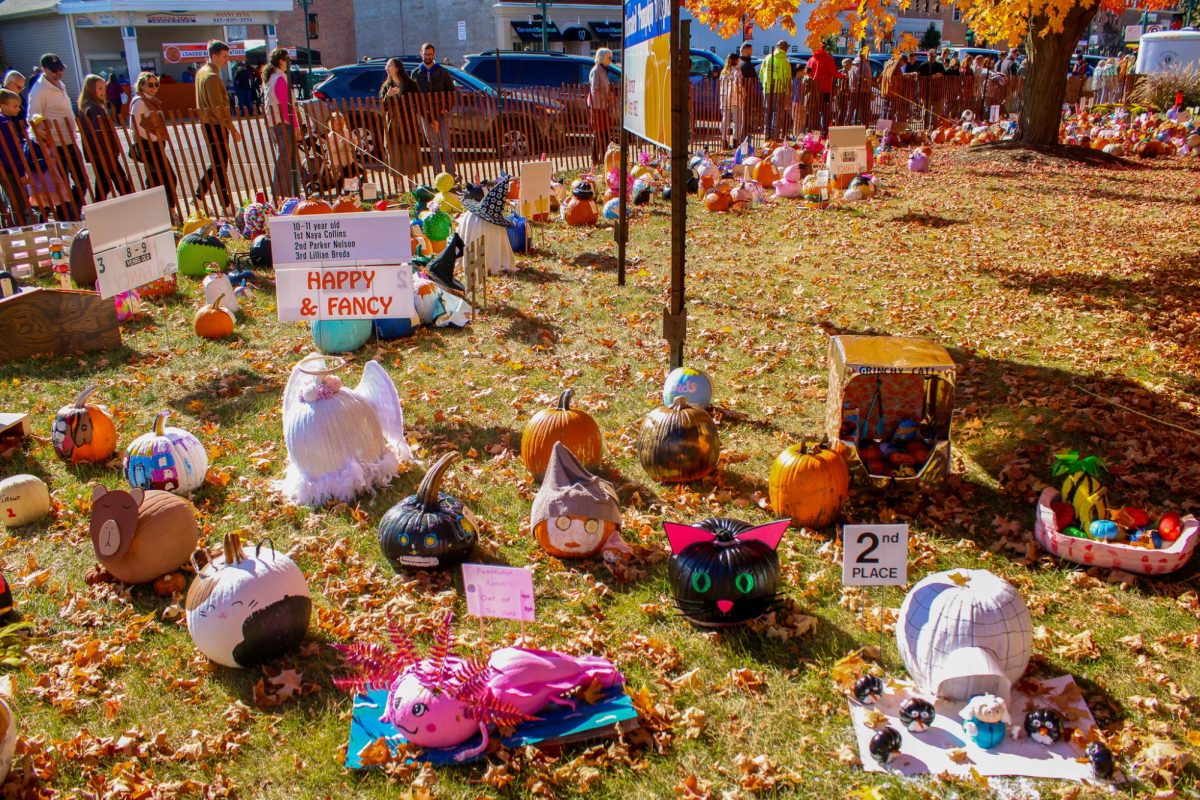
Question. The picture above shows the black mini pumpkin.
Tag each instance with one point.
(1044, 726)
(885, 745)
(428, 530)
(917, 714)
(868, 689)
(260, 252)
(583, 189)
(724, 571)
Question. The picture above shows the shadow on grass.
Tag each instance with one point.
(535, 276)
(598, 262)
(926, 220)
(78, 366)
(525, 327)
(232, 396)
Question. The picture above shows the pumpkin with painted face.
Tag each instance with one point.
(245, 609)
(84, 433)
(429, 530)
(139, 536)
(199, 249)
(724, 571)
(575, 513)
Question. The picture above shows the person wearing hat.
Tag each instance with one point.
(49, 98)
(775, 74)
(749, 90)
(575, 514)
(489, 218)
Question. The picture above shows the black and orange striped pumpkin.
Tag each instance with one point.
(679, 443)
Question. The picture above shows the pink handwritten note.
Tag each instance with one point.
(500, 592)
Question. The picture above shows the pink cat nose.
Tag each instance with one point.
(725, 606)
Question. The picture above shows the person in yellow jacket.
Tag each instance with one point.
(775, 74)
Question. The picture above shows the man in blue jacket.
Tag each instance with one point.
(435, 83)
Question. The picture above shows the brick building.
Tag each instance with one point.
(920, 13)
(334, 24)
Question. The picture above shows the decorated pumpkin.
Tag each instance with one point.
(167, 458)
(83, 260)
(260, 252)
(199, 249)
(518, 234)
(84, 432)
(244, 609)
(580, 208)
(140, 535)
(345, 204)
(809, 483)
(24, 499)
(1081, 486)
(575, 513)
(196, 220)
(340, 335)
(8, 738)
(719, 199)
(724, 571)
(430, 529)
(255, 216)
(918, 161)
(218, 291)
(574, 428)
(312, 205)
(396, 327)
(765, 173)
(214, 321)
(159, 288)
(688, 383)
(437, 227)
(678, 443)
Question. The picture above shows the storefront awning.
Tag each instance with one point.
(532, 31)
(606, 31)
(576, 33)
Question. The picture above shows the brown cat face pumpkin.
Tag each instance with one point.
(114, 522)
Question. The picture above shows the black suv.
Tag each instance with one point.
(532, 68)
(525, 124)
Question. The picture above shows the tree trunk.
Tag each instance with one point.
(1046, 75)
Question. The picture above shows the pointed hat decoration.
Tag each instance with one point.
(569, 490)
(494, 205)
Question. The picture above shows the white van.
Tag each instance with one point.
(1169, 50)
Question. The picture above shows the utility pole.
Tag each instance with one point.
(307, 51)
(545, 34)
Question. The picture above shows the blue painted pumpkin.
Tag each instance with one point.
(518, 235)
(396, 328)
(1105, 530)
(689, 383)
(341, 335)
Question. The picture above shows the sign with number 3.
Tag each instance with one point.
(874, 555)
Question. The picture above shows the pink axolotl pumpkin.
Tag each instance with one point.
(444, 700)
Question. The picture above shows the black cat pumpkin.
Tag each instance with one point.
(428, 530)
(724, 571)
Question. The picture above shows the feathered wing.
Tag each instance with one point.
(291, 392)
(377, 389)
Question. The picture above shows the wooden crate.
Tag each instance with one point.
(56, 321)
(26, 250)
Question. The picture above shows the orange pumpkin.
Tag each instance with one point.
(312, 205)
(214, 321)
(575, 429)
(764, 173)
(346, 205)
(718, 199)
(809, 483)
(514, 189)
(84, 433)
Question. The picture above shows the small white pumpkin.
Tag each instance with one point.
(24, 499)
(8, 737)
(243, 610)
(169, 459)
(217, 287)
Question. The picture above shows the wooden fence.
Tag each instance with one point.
(388, 143)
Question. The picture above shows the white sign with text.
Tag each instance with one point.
(365, 237)
(874, 555)
(132, 241)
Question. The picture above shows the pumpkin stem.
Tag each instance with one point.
(233, 548)
(679, 403)
(84, 395)
(564, 399)
(217, 303)
(431, 484)
(160, 422)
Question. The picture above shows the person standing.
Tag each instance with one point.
(212, 101)
(15, 83)
(243, 90)
(403, 156)
(149, 128)
(281, 115)
(731, 99)
(435, 83)
(189, 74)
(12, 160)
(113, 97)
(100, 143)
(775, 75)
(49, 98)
(751, 90)
(600, 101)
(824, 70)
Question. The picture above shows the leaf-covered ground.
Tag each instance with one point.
(1060, 291)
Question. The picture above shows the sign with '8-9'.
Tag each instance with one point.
(132, 241)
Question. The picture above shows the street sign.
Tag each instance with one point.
(874, 555)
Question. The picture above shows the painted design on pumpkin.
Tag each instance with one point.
(444, 700)
(141, 535)
(1044, 726)
(679, 443)
(430, 529)
(169, 459)
(917, 714)
(575, 513)
(84, 432)
(724, 571)
(244, 610)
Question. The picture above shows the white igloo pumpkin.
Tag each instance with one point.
(24, 499)
(217, 287)
(244, 609)
(964, 632)
(166, 458)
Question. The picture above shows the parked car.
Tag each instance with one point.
(524, 124)
(519, 69)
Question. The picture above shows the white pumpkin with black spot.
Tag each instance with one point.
(243, 610)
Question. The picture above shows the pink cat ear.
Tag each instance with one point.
(682, 536)
(769, 534)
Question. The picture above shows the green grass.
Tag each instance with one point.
(1036, 279)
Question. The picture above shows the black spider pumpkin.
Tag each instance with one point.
(1044, 726)
(885, 745)
(428, 530)
(583, 189)
(260, 252)
(917, 714)
(724, 571)
(868, 689)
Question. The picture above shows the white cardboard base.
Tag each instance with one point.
(928, 752)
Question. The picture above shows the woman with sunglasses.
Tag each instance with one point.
(149, 129)
(100, 143)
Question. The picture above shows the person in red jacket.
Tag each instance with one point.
(824, 70)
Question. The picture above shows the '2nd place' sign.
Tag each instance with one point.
(342, 266)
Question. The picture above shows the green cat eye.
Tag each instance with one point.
(701, 582)
(744, 583)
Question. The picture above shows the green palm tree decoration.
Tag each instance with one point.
(1071, 463)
